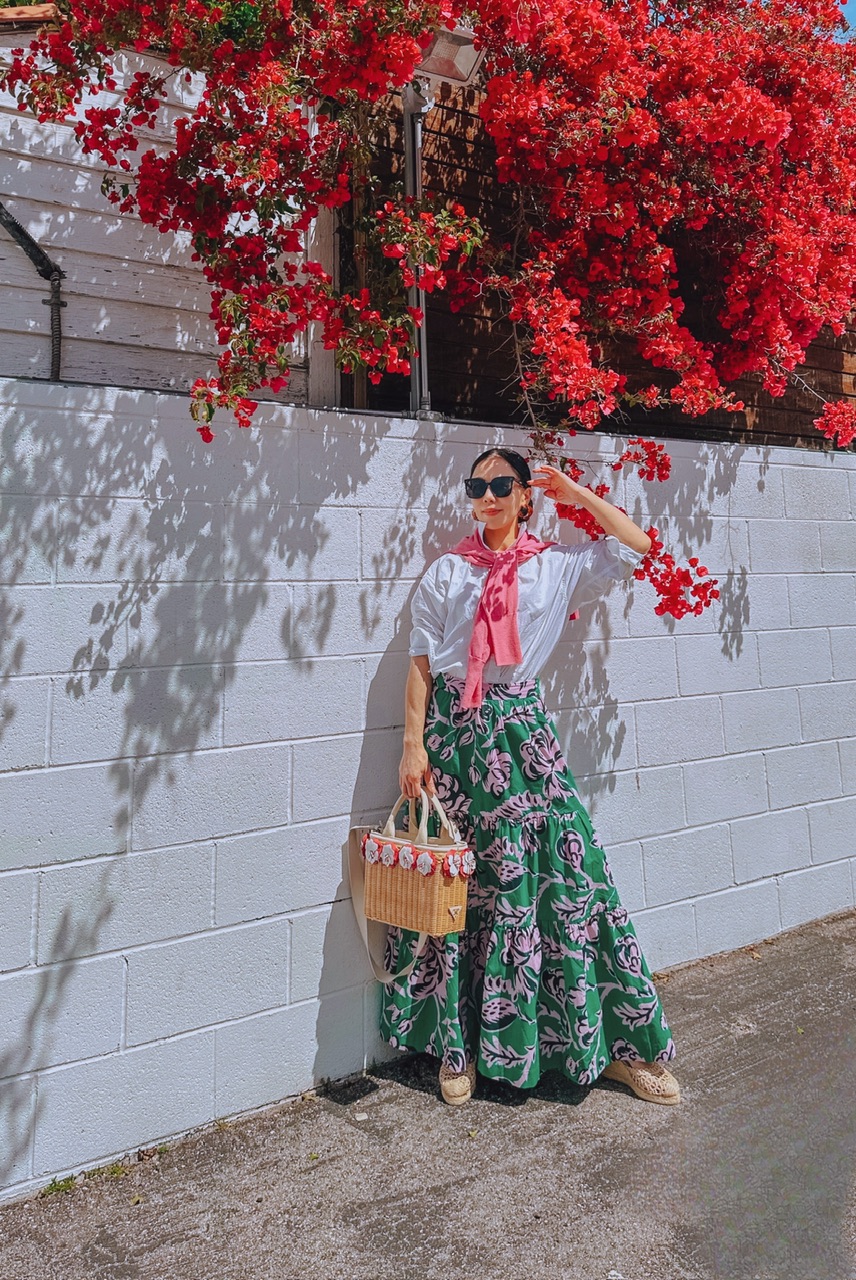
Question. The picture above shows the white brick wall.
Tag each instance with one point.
(202, 657)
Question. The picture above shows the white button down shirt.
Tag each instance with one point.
(550, 586)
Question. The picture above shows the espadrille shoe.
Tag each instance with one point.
(648, 1080)
(457, 1086)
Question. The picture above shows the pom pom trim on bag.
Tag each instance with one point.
(457, 862)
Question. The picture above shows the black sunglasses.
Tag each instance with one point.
(500, 487)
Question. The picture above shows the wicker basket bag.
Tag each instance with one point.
(414, 880)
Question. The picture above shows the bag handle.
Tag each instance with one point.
(421, 835)
(446, 821)
(358, 901)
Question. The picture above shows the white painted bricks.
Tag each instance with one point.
(814, 892)
(737, 916)
(159, 1090)
(327, 953)
(49, 816)
(210, 793)
(687, 864)
(667, 934)
(675, 729)
(794, 657)
(726, 788)
(275, 701)
(766, 718)
(799, 775)
(642, 803)
(833, 830)
(202, 660)
(792, 547)
(828, 711)
(207, 979)
(278, 872)
(769, 844)
(843, 641)
(23, 725)
(273, 1056)
(59, 1014)
(17, 895)
(710, 664)
(124, 902)
(847, 761)
(838, 544)
(625, 863)
(830, 596)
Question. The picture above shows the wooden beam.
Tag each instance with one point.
(27, 15)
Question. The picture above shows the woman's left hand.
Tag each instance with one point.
(556, 485)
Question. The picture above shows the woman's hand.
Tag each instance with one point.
(556, 485)
(414, 772)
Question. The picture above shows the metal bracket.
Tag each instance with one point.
(417, 97)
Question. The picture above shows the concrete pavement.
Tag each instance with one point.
(751, 1178)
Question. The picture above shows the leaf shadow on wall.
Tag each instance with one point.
(141, 564)
(702, 476)
(152, 563)
(592, 685)
(36, 1031)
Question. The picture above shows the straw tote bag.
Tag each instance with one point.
(410, 879)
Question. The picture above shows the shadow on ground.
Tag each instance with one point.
(751, 1178)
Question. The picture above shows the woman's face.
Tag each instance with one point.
(497, 513)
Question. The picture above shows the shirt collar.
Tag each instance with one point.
(480, 535)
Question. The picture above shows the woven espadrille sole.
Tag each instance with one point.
(457, 1088)
(634, 1078)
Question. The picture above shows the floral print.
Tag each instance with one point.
(548, 973)
(498, 774)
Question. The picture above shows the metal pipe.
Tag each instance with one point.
(424, 394)
(416, 104)
(48, 270)
(56, 305)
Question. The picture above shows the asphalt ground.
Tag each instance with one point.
(750, 1178)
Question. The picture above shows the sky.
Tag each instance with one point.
(850, 12)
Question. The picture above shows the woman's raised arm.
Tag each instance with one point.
(562, 488)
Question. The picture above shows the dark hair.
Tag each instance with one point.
(519, 464)
(514, 460)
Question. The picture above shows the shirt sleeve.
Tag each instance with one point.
(592, 570)
(428, 614)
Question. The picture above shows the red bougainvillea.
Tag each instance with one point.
(684, 176)
(275, 137)
(693, 171)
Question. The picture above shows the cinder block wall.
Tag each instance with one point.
(202, 657)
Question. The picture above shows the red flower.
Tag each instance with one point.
(656, 154)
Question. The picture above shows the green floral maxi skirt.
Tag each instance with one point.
(548, 973)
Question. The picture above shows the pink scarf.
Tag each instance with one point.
(495, 631)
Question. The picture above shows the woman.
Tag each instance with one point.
(548, 972)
